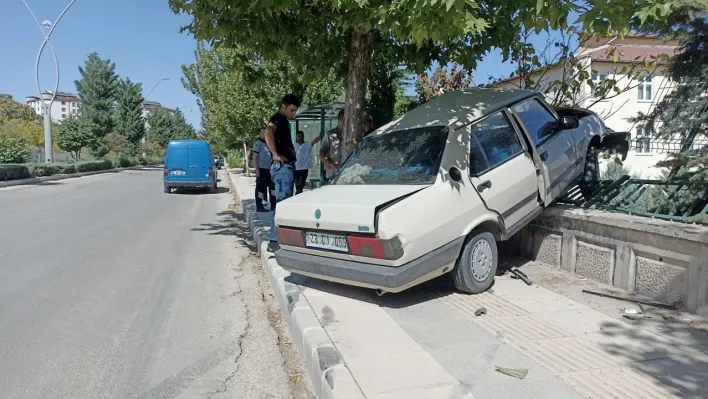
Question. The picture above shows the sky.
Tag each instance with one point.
(140, 36)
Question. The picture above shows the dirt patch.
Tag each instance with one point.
(299, 384)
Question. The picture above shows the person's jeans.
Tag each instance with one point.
(283, 177)
(300, 180)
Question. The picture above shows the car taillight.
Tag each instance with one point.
(372, 247)
(164, 171)
(211, 172)
(292, 237)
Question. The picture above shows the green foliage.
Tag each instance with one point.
(383, 87)
(129, 120)
(13, 149)
(164, 126)
(234, 160)
(97, 89)
(237, 92)
(74, 136)
(14, 172)
(11, 109)
(443, 79)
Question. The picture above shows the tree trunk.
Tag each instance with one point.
(245, 160)
(361, 46)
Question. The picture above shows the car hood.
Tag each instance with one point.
(348, 208)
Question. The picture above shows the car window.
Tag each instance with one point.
(403, 157)
(493, 141)
(536, 118)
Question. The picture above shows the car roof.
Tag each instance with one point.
(457, 108)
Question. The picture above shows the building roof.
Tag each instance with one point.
(457, 108)
(632, 53)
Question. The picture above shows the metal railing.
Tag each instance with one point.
(668, 200)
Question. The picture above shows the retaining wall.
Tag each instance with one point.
(667, 261)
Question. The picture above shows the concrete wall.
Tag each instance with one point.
(664, 260)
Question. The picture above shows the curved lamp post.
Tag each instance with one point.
(144, 140)
(47, 27)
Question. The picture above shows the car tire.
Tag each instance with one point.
(212, 188)
(480, 249)
(168, 190)
(591, 172)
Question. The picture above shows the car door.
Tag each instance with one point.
(556, 148)
(501, 168)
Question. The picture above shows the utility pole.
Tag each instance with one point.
(47, 27)
(144, 139)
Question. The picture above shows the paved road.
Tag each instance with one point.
(110, 288)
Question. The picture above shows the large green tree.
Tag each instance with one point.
(165, 125)
(75, 134)
(129, 120)
(237, 91)
(342, 33)
(97, 89)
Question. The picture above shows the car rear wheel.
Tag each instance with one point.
(475, 268)
(591, 172)
(168, 190)
(212, 188)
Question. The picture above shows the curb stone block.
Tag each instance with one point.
(40, 180)
(329, 376)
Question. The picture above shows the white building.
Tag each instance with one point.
(612, 58)
(64, 106)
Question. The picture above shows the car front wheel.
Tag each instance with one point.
(477, 265)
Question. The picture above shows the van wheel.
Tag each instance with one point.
(477, 264)
(168, 190)
(212, 188)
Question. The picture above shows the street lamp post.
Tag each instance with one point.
(144, 139)
(47, 27)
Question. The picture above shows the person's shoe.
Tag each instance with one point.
(273, 246)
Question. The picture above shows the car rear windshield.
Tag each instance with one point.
(403, 157)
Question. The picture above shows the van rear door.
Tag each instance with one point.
(178, 163)
(200, 161)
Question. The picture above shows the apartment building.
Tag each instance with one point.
(642, 87)
(65, 105)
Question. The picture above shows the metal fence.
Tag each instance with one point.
(669, 200)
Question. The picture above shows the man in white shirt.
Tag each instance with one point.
(304, 159)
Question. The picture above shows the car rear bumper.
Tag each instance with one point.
(367, 275)
(175, 184)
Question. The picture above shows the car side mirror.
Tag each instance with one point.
(569, 122)
(455, 174)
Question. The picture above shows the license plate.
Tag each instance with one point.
(326, 241)
(178, 173)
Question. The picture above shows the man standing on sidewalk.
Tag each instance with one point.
(264, 184)
(330, 149)
(282, 150)
(304, 160)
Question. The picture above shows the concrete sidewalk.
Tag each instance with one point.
(427, 343)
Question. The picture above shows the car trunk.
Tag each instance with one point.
(345, 208)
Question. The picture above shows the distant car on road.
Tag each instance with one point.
(189, 164)
(434, 191)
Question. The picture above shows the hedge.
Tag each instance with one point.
(29, 170)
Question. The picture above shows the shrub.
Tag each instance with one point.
(14, 172)
(13, 149)
(234, 160)
(92, 166)
(43, 169)
(123, 161)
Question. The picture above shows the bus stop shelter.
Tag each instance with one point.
(315, 121)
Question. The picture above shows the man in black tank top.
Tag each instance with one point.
(281, 147)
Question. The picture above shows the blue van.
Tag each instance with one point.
(189, 163)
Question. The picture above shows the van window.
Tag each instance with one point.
(539, 122)
(493, 141)
(403, 157)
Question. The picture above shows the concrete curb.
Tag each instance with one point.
(329, 375)
(38, 180)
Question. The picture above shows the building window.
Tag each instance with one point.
(597, 79)
(63, 103)
(63, 116)
(642, 141)
(644, 89)
(63, 109)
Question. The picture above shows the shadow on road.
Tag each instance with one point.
(231, 223)
(200, 191)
